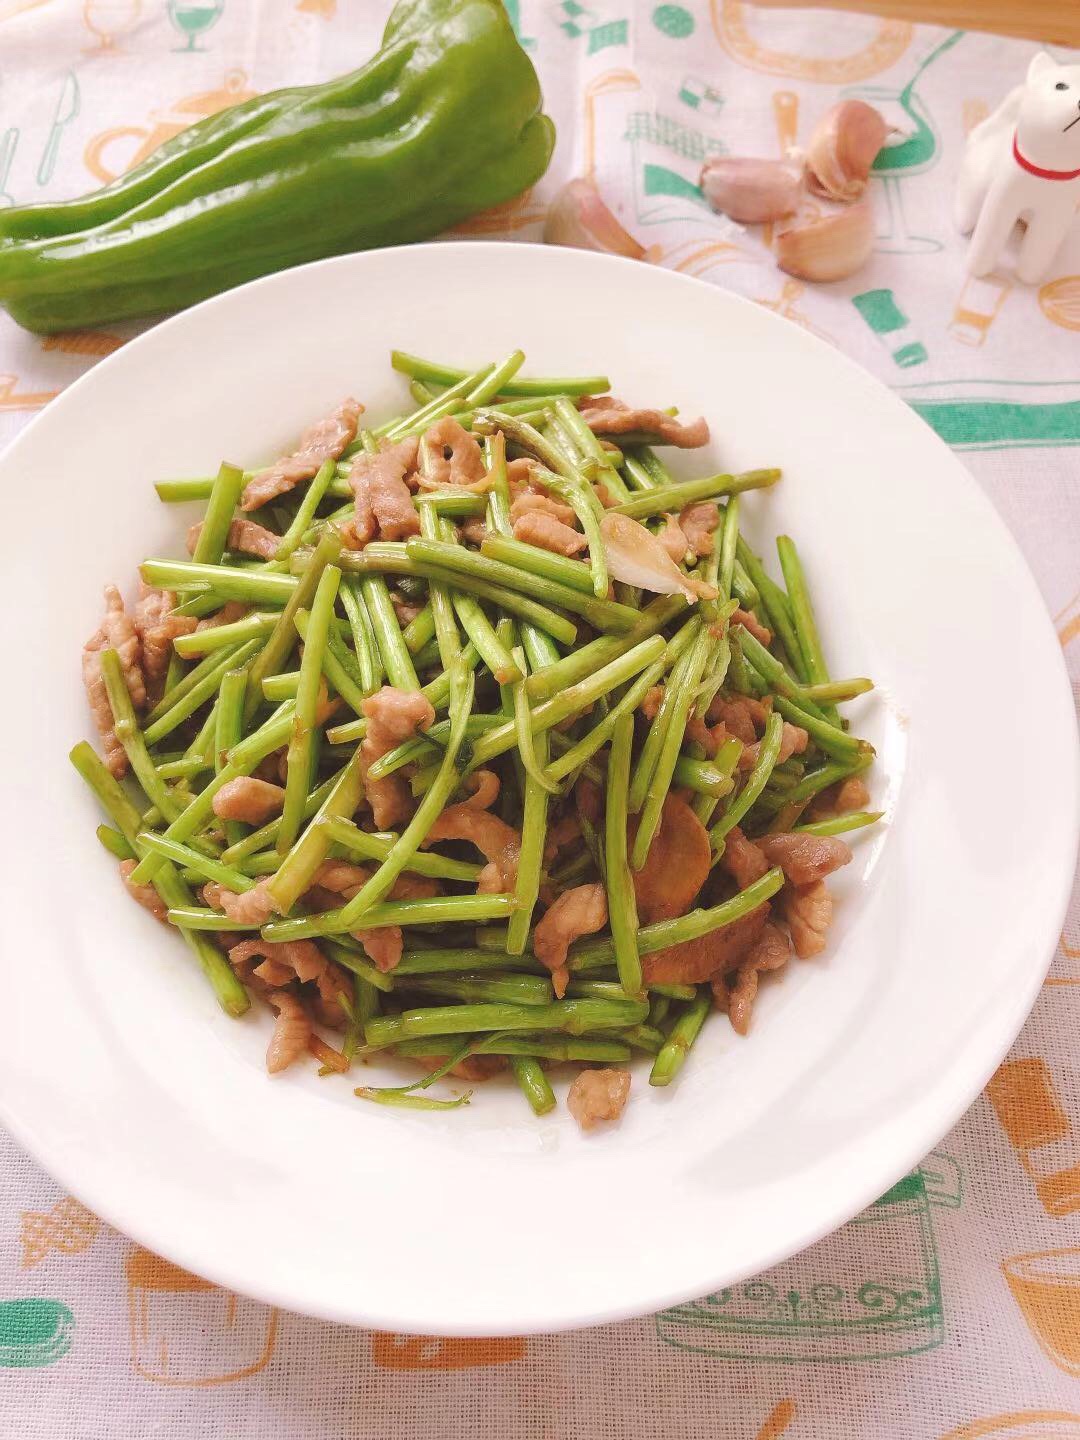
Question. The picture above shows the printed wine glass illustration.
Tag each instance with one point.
(109, 20)
(192, 17)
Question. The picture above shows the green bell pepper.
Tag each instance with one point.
(443, 121)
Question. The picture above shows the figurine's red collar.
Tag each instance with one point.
(1038, 170)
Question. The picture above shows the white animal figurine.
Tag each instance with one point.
(1023, 163)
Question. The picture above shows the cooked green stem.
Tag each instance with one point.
(575, 1017)
(384, 622)
(367, 846)
(419, 369)
(559, 568)
(533, 1083)
(192, 859)
(683, 1033)
(491, 986)
(228, 582)
(622, 904)
(840, 824)
(729, 534)
(602, 614)
(131, 738)
(427, 812)
(301, 752)
(597, 653)
(368, 658)
(224, 498)
(221, 637)
(531, 856)
(577, 755)
(573, 699)
(672, 733)
(297, 869)
(688, 492)
(282, 639)
(740, 804)
(305, 512)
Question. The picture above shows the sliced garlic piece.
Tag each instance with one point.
(636, 557)
(752, 192)
(579, 218)
(843, 148)
(830, 247)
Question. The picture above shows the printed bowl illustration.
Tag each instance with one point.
(155, 1109)
(1046, 1286)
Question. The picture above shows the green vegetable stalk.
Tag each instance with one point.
(443, 121)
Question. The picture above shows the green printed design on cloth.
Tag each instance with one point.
(999, 414)
(879, 1297)
(674, 21)
(34, 1332)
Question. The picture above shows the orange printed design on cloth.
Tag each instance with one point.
(438, 1352)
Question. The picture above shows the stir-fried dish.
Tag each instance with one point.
(476, 738)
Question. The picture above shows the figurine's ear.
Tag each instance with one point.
(1041, 65)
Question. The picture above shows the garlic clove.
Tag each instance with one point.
(752, 192)
(579, 218)
(830, 247)
(636, 557)
(843, 148)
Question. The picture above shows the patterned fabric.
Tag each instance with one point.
(951, 1307)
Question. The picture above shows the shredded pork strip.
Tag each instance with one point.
(531, 502)
(805, 858)
(534, 527)
(292, 1032)
(383, 501)
(793, 741)
(749, 621)
(251, 907)
(605, 415)
(144, 895)
(498, 842)
(248, 799)
(580, 911)
(808, 912)
(770, 951)
(451, 456)
(673, 539)
(694, 961)
(744, 716)
(325, 440)
(393, 716)
(117, 632)
(697, 522)
(245, 537)
(157, 628)
(597, 1096)
(742, 859)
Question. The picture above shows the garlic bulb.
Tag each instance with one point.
(579, 218)
(636, 557)
(830, 247)
(751, 191)
(842, 149)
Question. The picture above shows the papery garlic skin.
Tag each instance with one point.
(830, 247)
(751, 191)
(843, 148)
(579, 218)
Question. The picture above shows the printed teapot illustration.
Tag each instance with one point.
(114, 152)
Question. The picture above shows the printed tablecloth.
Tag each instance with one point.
(951, 1307)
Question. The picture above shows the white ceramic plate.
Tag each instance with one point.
(122, 1076)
